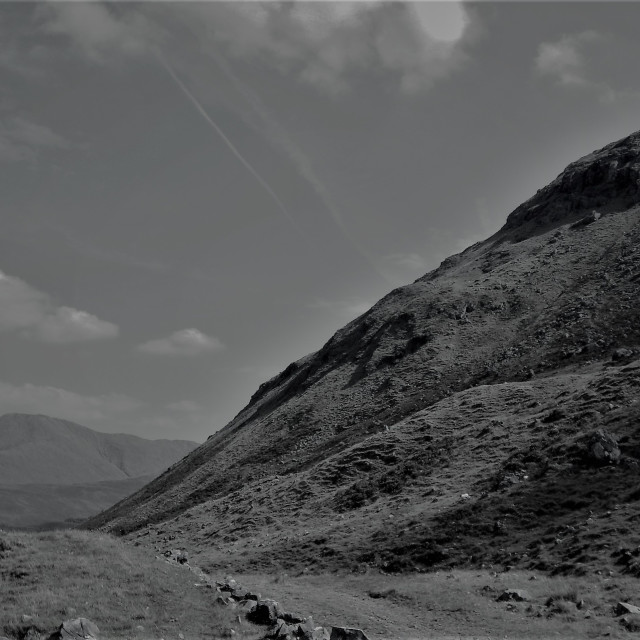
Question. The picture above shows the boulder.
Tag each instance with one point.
(594, 216)
(292, 618)
(246, 606)
(342, 633)
(265, 612)
(622, 354)
(602, 448)
(281, 631)
(623, 608)
(513, 594)
(630, 622)
(308, 631)
(76, 629)
(224, 601)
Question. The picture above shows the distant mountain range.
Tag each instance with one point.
(484, 415)
(53, 469)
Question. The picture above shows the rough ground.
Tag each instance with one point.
(453, 424)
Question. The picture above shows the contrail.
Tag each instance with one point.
(263, 183)
(302, 163)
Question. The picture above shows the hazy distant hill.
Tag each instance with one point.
(52, 469)
(485, 414)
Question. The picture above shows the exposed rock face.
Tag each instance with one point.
(608, 178)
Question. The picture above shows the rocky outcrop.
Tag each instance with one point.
(602, 448)
(607, 180)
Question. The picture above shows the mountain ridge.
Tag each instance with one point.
(36, 448)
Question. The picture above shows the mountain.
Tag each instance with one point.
(50, 468)
(485, 414)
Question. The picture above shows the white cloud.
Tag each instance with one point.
(70, 325)
(567, 62)
(60, 403)
(22, 307)
(98, 30)
(187, 342)
(321, 43)
(21, 139)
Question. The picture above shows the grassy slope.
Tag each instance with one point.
(320, 489)
(128, 593)
(56, 576)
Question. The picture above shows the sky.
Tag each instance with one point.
(195, 195)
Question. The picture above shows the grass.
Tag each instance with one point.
(458, 603)
(46, 578)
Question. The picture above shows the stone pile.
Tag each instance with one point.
(280, 624)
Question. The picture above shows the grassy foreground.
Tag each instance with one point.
(46, 578)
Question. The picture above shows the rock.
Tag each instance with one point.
(182, 557)
(292, 618)
(602, 448)
(555, 415)
(308, 631)
(342, 633)
(513, 594)
(224, 601)
(77, 629)
(622, 608)
(246, 606)
(594, 216)
(265, 612)
(622, 354)
(281, 631)
(630, 623)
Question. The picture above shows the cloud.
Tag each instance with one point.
(98, 30)
(187, 342)
(320, 43)
(22, 139)
(566, 62)
(66, 324)
(60, 403)
(24, 308)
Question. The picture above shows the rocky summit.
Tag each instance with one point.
(484, 415)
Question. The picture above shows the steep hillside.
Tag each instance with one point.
(456, 422)
(39, 449)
